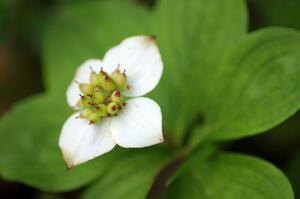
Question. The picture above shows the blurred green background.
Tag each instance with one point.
(21, 26)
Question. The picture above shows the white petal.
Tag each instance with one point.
(140, 57)
(82, 76)
(81, 142)
(139, 125)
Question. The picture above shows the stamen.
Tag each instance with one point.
(91, 104)
(102, 71)
(114, 108)
(90, 95)
(106, 100)
(117, 93)
(98, 88)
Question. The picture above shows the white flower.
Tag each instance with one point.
(105, 115)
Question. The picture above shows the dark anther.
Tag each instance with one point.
(102, 71)
(91, 104)
(117, 94)
(106, 101)
(114, 108)
(91, 122)
(120, 107)
(124, 103)
(98, 88)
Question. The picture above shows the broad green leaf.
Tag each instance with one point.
(87, 30)
(230, 176)
(130, 177)
(193, 37)
(258, 85)
(29, 149)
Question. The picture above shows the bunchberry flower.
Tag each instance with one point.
(107, 97)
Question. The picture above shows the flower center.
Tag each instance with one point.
(102, 96)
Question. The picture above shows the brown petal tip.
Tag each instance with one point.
(68, 160)
(161, 140)
(151, 38)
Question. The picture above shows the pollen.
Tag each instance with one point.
(102, 96)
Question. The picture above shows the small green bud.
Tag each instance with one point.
(85, 88)
(94, 117)
(102, 110)
(85, 113)
(85, 101)
(107, 84)
(98, 97)
(94, 79)
(102, 76)
(79, 104)
(112, 108)
(116, 96)
(119, 79)
(105, 81)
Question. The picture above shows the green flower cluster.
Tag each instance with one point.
(102, 96)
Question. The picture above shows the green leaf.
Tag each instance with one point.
(87, 30)
(230, 176)
(29, 149)
(193, 36)
(131, 176)
(258, 85)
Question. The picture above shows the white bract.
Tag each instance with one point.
(110, 109)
